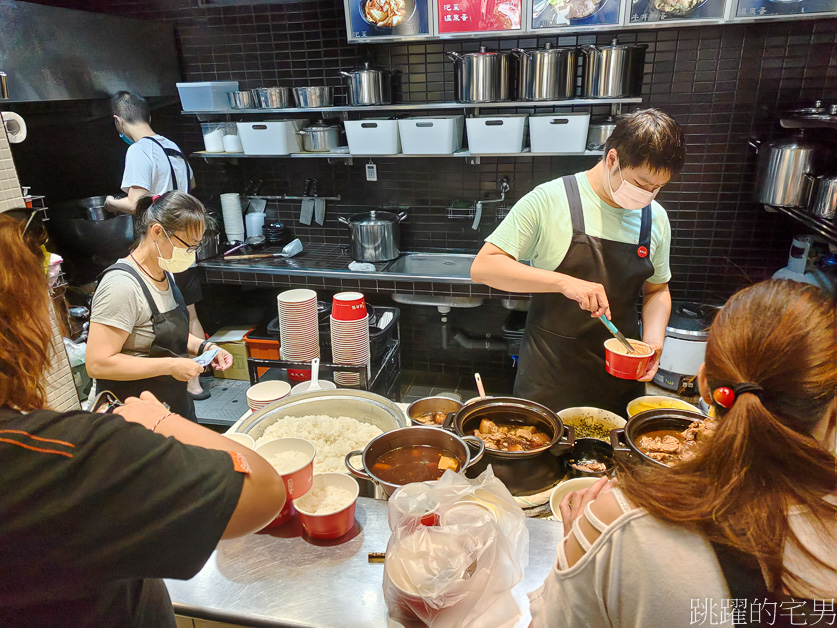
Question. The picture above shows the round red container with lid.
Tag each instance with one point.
(348, 306)
(626, 366)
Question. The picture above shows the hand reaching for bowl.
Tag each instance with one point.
(574, 502)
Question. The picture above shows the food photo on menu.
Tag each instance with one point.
(759, 8)
(556, 13)
(388, 18)
(660, 10)
(479, 16)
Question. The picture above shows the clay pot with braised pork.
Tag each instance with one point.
(661, 437)
(524, 441)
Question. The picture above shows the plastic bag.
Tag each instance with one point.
(75, 352)
(457, 549)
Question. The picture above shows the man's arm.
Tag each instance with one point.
(656, 310)
(496, 268)
(127, 204)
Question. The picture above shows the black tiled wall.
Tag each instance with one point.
(724, 84)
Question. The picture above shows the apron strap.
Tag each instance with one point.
(574, 201)
(169, 153)
(128, 269)
(178, 296)
(645, 228)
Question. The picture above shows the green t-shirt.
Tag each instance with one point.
(539, 228)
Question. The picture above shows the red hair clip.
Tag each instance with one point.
(725, 396)
(156, 198)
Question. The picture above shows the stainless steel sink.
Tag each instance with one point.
(442, 302)
(432, 265)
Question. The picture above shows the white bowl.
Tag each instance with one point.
(268, 392)
(659, 402)
(304, 386)
(558, 493)
(242, 439)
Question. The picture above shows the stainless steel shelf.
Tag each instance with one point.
(572, 102)
(826, 228)
(459, 154)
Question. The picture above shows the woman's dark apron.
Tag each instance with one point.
(171, 335)
(562, 358)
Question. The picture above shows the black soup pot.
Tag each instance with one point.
(523, 472)
(624, 439)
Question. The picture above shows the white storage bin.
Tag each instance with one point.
(432, 135)
(373, 136)
(559, 133)
(271, 137)
(206, 95)
(497, 134)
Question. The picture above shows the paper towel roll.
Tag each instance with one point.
(15, 126)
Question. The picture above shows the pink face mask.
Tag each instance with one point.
(628, 195)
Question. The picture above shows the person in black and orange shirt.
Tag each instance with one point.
(96, 508)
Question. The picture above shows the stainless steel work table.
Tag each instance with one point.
(288, 579)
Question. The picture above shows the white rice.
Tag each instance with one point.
(323, 501)
(332, 437)
(288, 461)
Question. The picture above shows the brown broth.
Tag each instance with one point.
(414, 463)
(678, 434)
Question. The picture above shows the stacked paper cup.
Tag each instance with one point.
(233, 217)
(349, 335)
(298, 329)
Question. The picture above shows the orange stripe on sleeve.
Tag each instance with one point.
(43, 440)
(38, 449)
(240, 463)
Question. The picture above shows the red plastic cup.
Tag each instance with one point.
(297, 481)
(330, 525)
(626, 366)
(348, 306)
(411, 506)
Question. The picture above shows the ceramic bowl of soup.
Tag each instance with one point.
(413, 454)
(624, 365)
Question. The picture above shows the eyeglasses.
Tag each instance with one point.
(192, 248)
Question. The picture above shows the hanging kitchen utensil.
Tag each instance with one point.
(294, 248)
(307, 210)
(319, 204)
(480, 387)
(616, 333)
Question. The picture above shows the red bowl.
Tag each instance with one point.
(334, 524)
(348, 306)
(626, 366)
(298, 481)
(284, 516)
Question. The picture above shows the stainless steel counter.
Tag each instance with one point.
(287, 579)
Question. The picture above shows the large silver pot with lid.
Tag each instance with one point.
(547, 73)
(612, 71)
(482, 76)
(375, 236)
(320, 137)
(369, 86)
(786, 170)
(824, 200)
(599, 131)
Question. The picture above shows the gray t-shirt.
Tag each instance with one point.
(119, 302)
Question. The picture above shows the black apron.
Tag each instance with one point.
(171, 335)
(169, 153)
(562, 358)
(745, 581)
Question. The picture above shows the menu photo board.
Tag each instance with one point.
(574, 14)
(478, 16)
(776, 8)
(370, 20)
(654, 11)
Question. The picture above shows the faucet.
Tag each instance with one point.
(504, 189)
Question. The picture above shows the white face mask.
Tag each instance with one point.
(181, 259)
(628, 195)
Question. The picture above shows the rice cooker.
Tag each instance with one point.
(685, 345)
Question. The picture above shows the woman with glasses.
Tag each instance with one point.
(139, 326)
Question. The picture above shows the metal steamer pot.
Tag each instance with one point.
(824, 201)
(320, 137)
(624, 439)
(482, 76)
(599, 131)
(375, 236)
(546, 74)
(786, 171)
(369, 86)
(613, 71)
(523, 472)
(411, 436)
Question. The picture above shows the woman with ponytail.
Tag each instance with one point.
(95, 508)
(752, 517)
(139, 325)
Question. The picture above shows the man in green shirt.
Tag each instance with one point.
(596, 241)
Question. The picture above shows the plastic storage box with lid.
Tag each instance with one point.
(262, 346)
(497, 134)
(373, 136)
(431, 135)
(271, 137)
(206, 95)
(559, 133)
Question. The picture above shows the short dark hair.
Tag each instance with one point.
(648, 138)
(131, 107)
(174, 211)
